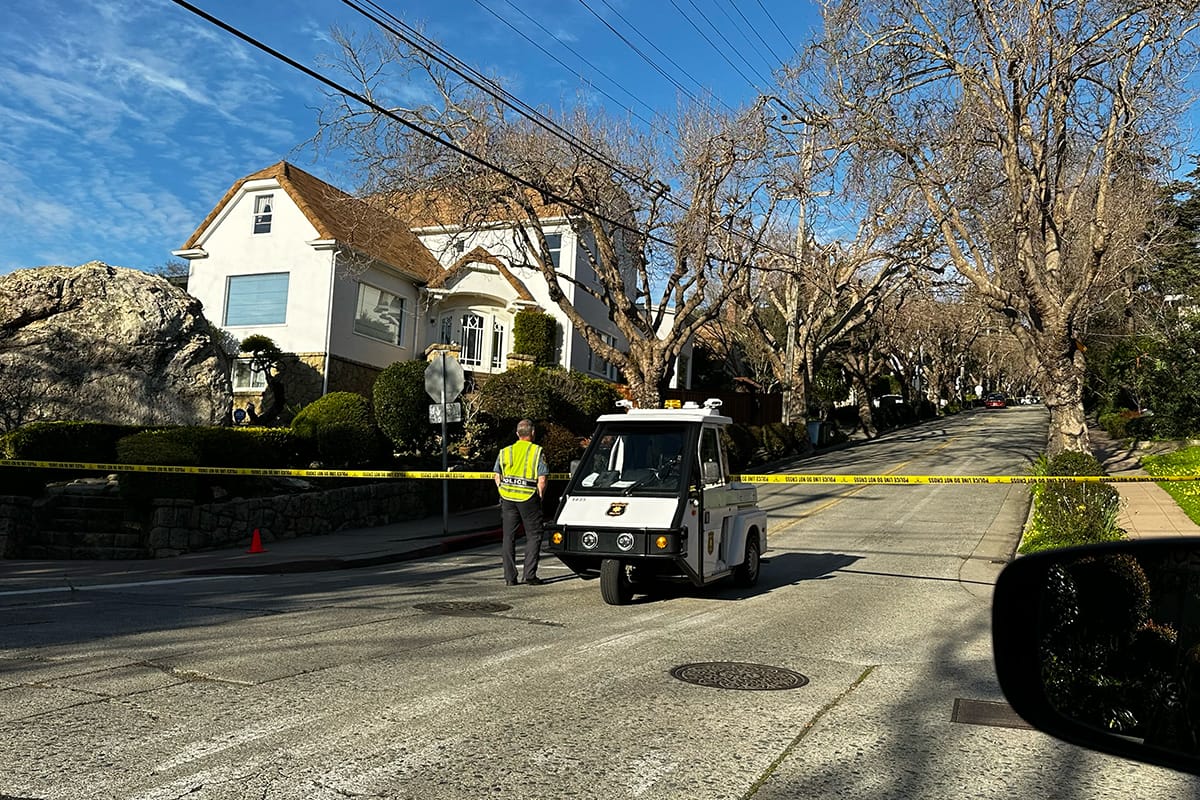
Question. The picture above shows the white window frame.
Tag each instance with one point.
(256, 309)
(264, 208)
(498, 330)
(379, 315)
(471, 339)
(555, 249)
(247, 379)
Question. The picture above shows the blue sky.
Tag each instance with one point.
(125, 122)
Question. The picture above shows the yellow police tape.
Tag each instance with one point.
(437, 475)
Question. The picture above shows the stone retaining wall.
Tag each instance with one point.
(16, 524)
(181, 526)
(37, 528)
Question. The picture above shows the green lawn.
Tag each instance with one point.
(1181, 462)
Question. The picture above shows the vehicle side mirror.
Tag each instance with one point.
(575, 465)
(1100, 646)
(712, 472)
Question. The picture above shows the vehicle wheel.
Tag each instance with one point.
(746, 573)
(615, 586)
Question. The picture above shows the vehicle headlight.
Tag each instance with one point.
(589, 540)
(625, 541)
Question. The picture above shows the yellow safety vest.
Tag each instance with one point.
(518, 470)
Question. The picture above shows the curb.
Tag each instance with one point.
(462, 541)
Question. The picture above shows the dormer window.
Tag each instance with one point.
(263, 204)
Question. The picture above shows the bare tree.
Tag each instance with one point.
(1029, 130)
(669, 224)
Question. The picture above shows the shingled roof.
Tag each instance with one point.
(343, 218)
(481, 256)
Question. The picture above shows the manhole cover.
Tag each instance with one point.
(986, 712)
(737, 675)
(464, 608)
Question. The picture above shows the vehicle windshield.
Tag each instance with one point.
(634, 460)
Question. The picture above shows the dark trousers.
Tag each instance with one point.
(527, 513)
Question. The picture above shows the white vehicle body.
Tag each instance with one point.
(652, 500)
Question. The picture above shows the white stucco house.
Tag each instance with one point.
(346, 289)
(333, 282)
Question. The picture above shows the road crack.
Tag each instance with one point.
(808, 726)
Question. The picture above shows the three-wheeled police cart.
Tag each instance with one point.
(652, 500)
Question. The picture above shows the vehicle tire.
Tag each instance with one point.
(746, 573)
(615, 586)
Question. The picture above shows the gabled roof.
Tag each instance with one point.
(448, 210)
(479, 255)
(343, 218)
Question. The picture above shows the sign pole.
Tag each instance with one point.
(445, 456)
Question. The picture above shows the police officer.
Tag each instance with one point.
(520, 474)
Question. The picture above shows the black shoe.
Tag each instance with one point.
(534, 581)
(510, 583)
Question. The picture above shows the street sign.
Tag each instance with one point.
(453, 412)
(444, 372)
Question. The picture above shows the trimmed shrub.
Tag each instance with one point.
(65, 441)
(341, 426)
(171, 447)
(777, 440)
(94, 442)
(402, 407)
(252, 448)
(568, 398)
(535, 333)
(560, 445)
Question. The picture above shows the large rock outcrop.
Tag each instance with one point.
(108, 344)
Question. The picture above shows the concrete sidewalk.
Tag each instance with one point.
(1147, 511)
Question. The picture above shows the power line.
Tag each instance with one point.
(713, 45)
(754, 30)
(423, 44)
(643, 56)
(562, 64)
(574, 52)
(786, 38)
(424, 132)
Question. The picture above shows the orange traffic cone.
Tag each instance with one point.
(256, 543)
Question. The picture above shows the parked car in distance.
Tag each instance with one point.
(995, 400)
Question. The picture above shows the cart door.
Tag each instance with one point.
(714, 475)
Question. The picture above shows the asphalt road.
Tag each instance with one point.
(348, 684)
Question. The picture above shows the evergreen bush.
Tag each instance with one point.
(342, 427)
(171, 447)
(535, 333)
(402, 407)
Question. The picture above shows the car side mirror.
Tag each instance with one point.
(1100, 646)
(575, 465)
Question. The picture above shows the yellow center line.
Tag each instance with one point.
(855, 490)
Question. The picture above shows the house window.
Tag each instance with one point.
(380, 315)
(554, 244)
(472, 340)
(247, 379)
(447, 329)
(256, 299)
(497, 345)
(601, 366)
(263, 204)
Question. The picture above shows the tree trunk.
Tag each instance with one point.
(1062, 393)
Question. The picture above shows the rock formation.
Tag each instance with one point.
(107, 344)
